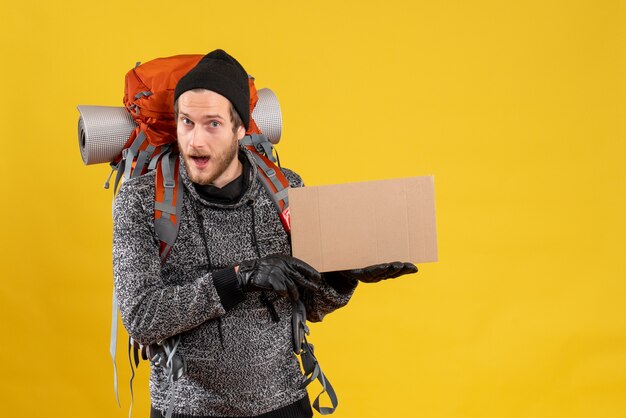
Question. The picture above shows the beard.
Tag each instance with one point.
(218, 163)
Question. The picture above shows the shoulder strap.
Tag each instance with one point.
(167, 201)
(271, 176)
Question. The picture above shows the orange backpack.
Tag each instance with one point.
(149, 98)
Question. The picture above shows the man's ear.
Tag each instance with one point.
(241, 132)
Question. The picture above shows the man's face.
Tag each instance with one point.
(206, 139)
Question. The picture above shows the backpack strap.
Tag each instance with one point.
(129, 154)
(136, 159)
(113, 347)
(313, 371)
(271, 176)
(310, 365)
(167, 201)
(277, 186)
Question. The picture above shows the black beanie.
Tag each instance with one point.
(219, 72)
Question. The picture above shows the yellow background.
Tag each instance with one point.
(517, 109)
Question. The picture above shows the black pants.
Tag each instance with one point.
(299, 409)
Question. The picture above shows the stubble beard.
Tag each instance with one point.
(219, 162)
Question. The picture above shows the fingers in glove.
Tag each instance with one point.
(394, 270)
(282, 283)
(375, 273)
(293, 290)
(278, 286)
(366, 274)
(378, 272)
(303, 274)
(305, 281)
(407, 268)
(397, 269)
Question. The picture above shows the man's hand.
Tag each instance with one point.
(279, 273)
(378, 272)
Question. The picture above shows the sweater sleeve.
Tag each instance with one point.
(152, 310)
(326, 299)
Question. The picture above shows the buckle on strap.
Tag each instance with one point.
(167, 163)
(261, 143)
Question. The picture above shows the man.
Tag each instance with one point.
(218, 312)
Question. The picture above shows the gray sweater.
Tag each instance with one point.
(239, 360)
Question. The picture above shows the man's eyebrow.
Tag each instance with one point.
(213, 117)
(209, 116)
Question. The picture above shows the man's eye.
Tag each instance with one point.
(186, 121)
(214, 124)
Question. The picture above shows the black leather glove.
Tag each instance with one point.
(378, 272)
(279, 273)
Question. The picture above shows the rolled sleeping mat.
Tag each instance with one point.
(104, 130)
(267, 115)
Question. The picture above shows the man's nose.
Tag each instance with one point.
(195, 138)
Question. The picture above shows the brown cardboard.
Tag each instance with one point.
(353, 225)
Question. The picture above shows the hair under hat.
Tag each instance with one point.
(219, 72)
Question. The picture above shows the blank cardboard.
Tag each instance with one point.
(353, 225)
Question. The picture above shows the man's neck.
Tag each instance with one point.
(234, 170)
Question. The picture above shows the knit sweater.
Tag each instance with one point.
(240, 360)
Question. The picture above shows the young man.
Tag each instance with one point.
(218, 312)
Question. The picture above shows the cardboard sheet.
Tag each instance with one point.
(354, 225)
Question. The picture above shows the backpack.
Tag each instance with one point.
(148, 98)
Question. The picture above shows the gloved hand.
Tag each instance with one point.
(378, 272)
(279, 273)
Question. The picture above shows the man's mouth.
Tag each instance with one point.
(200, 161)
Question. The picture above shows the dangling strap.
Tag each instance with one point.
(155, 159)
(174, 367)
(143, 159)
(113, 347)
(124, 166)
(313, 371)
(133, 347)
(130, 153)
(141, 156)
(114, 167)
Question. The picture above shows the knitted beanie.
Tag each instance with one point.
(219, 72)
